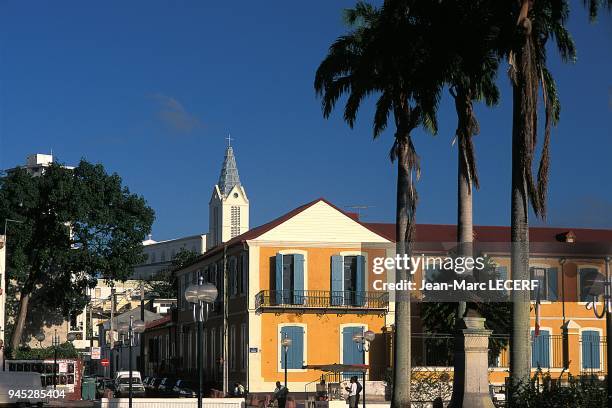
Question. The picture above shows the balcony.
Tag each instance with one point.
(322, 301)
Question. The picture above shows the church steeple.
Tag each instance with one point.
(229, 172)
(228, 209)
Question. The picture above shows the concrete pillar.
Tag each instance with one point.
(471, 382)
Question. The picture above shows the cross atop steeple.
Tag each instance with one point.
(229, 139)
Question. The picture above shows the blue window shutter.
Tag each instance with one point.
(279, 279)
(298, 279)
(552, 284)
(590, 349)
(297, 347)
(540, 349)
(350, 351)
(337, 273)
(295, 353)
(360, 295)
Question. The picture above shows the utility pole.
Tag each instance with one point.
(112, 329)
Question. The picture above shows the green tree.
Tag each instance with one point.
(164, 282)
(372, 59)
(532, 24)
(77, 225)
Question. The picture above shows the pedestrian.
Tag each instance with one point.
(352, 390)
(359, 388)
(280, 395)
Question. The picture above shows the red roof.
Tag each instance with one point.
(448, 233)
(158, 322)
(434, 233)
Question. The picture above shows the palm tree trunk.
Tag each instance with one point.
(22, 313)
(465, 234)
(522, 134)
(402, 365)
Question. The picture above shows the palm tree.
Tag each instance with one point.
(533, 23)
(368, 61)
(472, 69)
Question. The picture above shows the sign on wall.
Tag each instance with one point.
(95, 353)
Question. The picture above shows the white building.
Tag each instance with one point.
(228, 209)
(159, 254)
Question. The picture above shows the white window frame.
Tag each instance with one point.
(601, 350)
(298, 252)
(341, 340)
(280, 350)
(550, 347)
(344, 254)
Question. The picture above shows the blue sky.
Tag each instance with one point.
(152, 88)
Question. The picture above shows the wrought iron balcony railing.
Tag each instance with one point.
(322, 299)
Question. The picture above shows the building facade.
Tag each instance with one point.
(308, 276)
(303, 276)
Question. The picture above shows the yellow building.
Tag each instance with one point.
(308, 276)
(302, 276)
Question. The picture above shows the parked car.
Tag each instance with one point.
(184, 389)
(122, 384)
(153, 385)
(122, 387)
(165, 386)
(149, 382)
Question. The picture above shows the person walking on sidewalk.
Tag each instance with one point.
(352, 390)
(280, 395)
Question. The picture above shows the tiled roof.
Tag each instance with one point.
(158, 322)
(447, 233)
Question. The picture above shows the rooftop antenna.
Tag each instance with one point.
(358, 207)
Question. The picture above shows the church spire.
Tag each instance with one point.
(229, 172)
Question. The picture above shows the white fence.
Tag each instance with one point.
(172, 403)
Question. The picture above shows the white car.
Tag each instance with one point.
(122, 384)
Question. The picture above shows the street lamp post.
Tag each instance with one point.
(40, 337)
(606, 311)
(363, 341)
(135, 326)
(200, 296)
(55, 342)
(286, 343)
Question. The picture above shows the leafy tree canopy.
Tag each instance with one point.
(74, 226)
